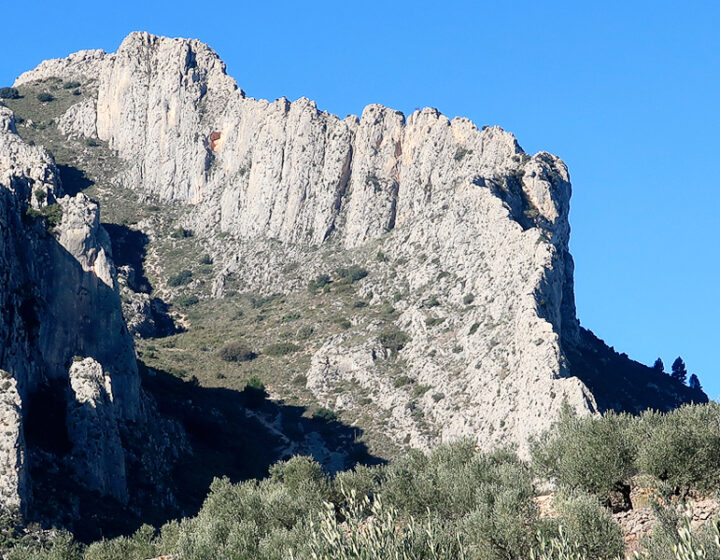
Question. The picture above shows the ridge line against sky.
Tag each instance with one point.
(625, 94)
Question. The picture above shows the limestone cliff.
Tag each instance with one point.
(471, 236)
(59, 300)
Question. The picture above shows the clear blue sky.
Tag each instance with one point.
(625, 92)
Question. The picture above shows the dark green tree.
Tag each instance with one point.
(695, 383)
(9, 93)
(679, 371)
(658, 366)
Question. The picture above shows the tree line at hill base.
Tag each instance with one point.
(453, 503)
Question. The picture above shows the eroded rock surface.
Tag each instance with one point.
(93, 429)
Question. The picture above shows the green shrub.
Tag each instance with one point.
(45, 97)
(474, 328)
(9, 93)
(255, 383)
(243, 521)
(51, 215)
(254, 391)
(181, 233)
(468, 299)
(351, 274)
(592, 454)
(420, 390)
(280, 349)
(682, 447)
(320, 281)
(305, 332)
(432, 301)
(486, 498)
(60, 547)
(187, 301)
(393, 340)
(589, 525)
(71, 85)
(206, 259)
(91, 142)
(388, 309)
(236, 352)
(180, 279)
(40, 195)
(402, 381)
(302, 475)
(460, 153)
(434, 321)
(324, 414)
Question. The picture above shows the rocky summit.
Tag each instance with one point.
(385, 280)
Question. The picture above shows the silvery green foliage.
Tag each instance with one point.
(568, 454)
(682, 447)
(372, 529)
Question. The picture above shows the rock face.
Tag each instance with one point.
(475, 230)
(13, 474)
(93, 430)
(79, 120)
(59, 296)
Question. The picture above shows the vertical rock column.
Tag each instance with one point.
(13, 468)
(93, 430)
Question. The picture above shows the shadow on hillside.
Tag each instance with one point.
(67, 312)
(233, 434)
(240, 434)
(73, 180)
(129, 247)
(624, 385)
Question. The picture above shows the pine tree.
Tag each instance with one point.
(658, 366)
(695, 383)
(679, 371)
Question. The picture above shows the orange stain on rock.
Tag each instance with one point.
(216, 141)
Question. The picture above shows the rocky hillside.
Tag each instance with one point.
(407, 276)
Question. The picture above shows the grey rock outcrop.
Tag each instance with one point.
(93, 430)
(79, 120)
(13, 464)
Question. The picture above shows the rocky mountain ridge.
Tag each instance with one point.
(445, 245)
